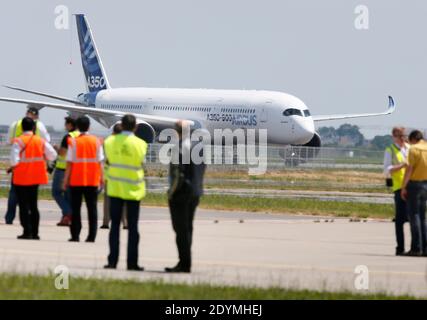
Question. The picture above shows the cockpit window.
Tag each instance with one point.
(307, 113)
(292, 112)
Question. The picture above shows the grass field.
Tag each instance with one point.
(320, 180)
(272, 205)
(42, 287)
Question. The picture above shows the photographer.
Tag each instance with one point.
(186, 188)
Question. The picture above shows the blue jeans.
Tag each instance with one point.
(417, 197)
(62, 198)
(12, 203)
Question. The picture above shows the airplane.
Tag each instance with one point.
(287, 119)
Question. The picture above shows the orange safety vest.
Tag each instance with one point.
(85, 167)
(31, 169)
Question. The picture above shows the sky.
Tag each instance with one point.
(307, 48)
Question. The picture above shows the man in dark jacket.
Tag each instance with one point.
(186, 179)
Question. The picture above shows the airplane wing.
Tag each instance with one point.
(45, 95)
(106, 117)
(390, 110)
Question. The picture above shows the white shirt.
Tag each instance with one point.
(99, 155)
(49, 152)
(388, 159)
(43, 131)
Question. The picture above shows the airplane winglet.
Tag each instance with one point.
(391, 105)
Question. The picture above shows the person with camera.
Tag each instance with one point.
(28, 163)
(395, 162)
(186, 188)
(125, 156)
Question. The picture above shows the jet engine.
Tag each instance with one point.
(145, 131)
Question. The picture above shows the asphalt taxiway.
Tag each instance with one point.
(231, 248)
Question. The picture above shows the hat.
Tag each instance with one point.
(33, 111)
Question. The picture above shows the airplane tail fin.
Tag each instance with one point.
(95, 76)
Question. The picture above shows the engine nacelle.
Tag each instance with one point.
(145, 131)
(315, 142)
(313, 148)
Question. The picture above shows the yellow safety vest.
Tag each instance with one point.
(397, 158)
(125, 175)
(19, 131)
(61, 162)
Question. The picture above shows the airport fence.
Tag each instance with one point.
(226, 159)
(240, 157)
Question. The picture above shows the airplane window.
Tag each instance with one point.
(292, 112)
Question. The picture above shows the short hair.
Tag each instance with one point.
(83, 123)
(117, 128)
(70, 120)
(128, 122)
(416, 136)
(398, 132)
(28, 124)
(33, 111)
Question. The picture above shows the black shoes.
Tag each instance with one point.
(25, 237)
(178, 269)
(412, 253)
(400, 252)
(104, 227)
(90, 240)
(74, 240)
(36, 237)
(135, 268)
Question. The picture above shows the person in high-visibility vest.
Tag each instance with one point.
(395, 162)
(84, 177)
(28, 162)
(61, 197)
(117, 128)
(15, 130)
(125, 155)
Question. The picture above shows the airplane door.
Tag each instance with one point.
(264, 116)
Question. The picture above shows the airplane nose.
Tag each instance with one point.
(305, 130)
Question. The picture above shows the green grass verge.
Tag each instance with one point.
(281, 205)
(299, 186)
(42, 288)
(272, 205)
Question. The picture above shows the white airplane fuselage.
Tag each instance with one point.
(285, 117)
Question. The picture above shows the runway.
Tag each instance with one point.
(231, 248)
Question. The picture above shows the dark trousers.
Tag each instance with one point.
(401, 217)
(90, 195)
(107, 217)
(417, 197)
(116, 211)
(28, 211)
(12, 202)
(182, 214)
